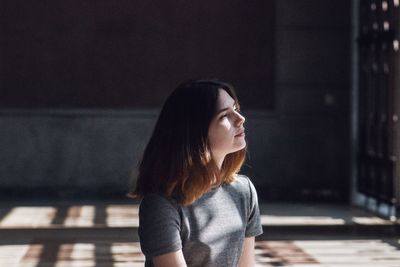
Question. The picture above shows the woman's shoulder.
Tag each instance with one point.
(157, 202)
(243, 185)
(242, 181)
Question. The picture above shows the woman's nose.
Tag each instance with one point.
(241, 119)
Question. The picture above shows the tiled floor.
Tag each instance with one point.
(53, 252)
(104, 234)
(100, 214)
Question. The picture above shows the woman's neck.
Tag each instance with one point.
(218, 161)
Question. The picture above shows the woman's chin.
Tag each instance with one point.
(239, 146)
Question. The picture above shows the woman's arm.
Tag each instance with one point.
(172, 259)
(247, 257)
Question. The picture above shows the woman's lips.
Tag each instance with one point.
(240, 134)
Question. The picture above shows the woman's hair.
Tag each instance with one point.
(177, 161)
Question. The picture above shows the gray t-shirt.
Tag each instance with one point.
(210, 231)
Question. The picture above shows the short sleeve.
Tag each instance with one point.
(159, 226)
(254, 227)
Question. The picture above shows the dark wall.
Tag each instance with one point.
(299, 150)
(131, 54)
(303, 145)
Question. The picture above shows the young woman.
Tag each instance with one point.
(195, 209)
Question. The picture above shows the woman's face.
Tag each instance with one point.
(226, 131)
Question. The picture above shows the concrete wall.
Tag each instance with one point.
(298, 151)
(304, 145)
(64, 153)
(87, 54)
